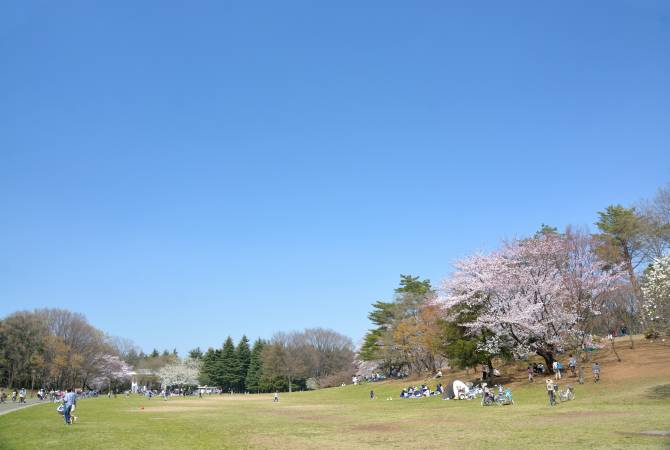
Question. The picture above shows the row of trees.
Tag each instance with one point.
(55, 348)
(538, 295)
(313, 358)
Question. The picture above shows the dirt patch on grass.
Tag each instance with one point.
(660, 392)
(379, 427)
(224, 398)
(665, 434)
(169, 409)
(580, 416)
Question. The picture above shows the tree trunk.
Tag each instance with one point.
(614, 349)
(290, 388)
(548, 359)
(489, 373)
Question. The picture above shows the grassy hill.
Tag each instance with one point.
(627, 409)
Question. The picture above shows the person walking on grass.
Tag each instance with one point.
(596, 372)
(69, 399)
(551, 392)
(530, 373)
(276, 398)
(372, 394)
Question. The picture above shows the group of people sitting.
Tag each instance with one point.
(423, 391)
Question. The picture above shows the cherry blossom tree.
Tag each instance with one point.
(111, 369)
(532, 295)
(180, 373)
(656, 290)
(587, 281)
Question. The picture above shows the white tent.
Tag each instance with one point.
(459, 388)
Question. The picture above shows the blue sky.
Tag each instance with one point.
(182, 171)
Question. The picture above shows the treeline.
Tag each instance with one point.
(310, 359)
(53, 348)
(541, 295)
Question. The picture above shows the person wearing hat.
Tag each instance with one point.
(551, 392)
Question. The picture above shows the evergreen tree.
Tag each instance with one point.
(243, 359)
(255, 370)
(227, 367)
(196, 353)
(208, 372)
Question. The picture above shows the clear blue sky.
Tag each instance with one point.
(181, 171)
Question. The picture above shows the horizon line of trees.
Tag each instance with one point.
(310, 359)
(54, 348)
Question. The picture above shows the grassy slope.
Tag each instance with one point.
(608, 415)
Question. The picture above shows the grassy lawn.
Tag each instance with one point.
(633, 398)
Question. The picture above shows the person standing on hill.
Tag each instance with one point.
(572, 364)
(530, 374)
(596, 372)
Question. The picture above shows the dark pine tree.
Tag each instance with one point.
(255, 370)
(243, 359)
(208, 372)
(227, 367)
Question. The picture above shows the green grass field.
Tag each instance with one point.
(632, 399)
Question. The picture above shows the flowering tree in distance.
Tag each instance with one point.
(111, 369)
(180, 373)
(656, 290)
(531, 294)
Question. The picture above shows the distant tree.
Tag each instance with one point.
(284, 356)
(255, 370)
(154, 354)
(531, 295)
(382, 315)
(209, 372)
(656, 288)
(243, 356)
(23, 336)
(656, 215)
(621, 240)
(196, 353)
(398, 339)
(113, 370)
(546, 230)
(180, 373)
(328, 353)
(227, 368)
